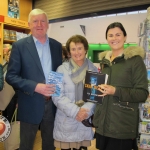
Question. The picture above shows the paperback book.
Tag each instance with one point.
(55, 78)
(90, 91)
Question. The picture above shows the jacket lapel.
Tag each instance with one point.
(33, 51)
(52, 51)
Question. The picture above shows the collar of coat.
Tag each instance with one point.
(129, 52)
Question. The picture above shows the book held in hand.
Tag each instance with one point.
(92, 80)
(55, 78)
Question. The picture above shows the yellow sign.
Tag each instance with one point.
(16, 22)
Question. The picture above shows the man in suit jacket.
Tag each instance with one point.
(30, 62)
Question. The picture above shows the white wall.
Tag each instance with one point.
(96, 27)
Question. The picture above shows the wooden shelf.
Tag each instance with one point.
(9, 41)
(16, 22)
(11, 24)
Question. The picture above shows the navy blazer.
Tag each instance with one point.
(25, 72)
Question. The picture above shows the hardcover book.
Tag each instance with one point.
(55, 78)
(90, 91)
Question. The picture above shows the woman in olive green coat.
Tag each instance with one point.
(117, 119)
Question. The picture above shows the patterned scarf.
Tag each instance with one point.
(78, 76)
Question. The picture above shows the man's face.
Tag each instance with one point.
(38, 25)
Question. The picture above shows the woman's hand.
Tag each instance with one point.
(82, 114)
(106, 89)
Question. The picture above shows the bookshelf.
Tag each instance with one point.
(10, 24)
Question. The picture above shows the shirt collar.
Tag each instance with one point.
(37, 41)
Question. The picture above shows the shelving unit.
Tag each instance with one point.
(11, 24)
(144, 125)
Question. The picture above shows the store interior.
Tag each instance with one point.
(61, 29)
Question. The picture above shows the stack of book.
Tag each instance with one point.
(10, 35)
(6, 34)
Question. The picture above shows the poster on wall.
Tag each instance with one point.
(13, 9)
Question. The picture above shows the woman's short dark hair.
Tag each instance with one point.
(116, 24)
(77, 39)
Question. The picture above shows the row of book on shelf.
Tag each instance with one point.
(13, 35)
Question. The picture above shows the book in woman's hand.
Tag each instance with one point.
(90, 91)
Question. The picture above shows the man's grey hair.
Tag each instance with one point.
(36, 12)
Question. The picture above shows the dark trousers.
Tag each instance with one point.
(28, 131)
(107, 143)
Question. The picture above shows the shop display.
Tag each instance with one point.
(6, 34)
(11, 31)
(144, 125)
(12, 35)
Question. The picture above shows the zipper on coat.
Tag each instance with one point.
(110, 71)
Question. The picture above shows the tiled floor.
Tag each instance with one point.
(37, 144)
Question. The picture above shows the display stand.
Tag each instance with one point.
(144, 125)
(10, 24)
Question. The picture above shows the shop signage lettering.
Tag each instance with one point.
(15, 22)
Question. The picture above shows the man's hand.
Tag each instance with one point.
(45, 89)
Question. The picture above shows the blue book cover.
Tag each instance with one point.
(55, 78)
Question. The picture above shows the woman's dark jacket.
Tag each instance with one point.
(118, 116)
